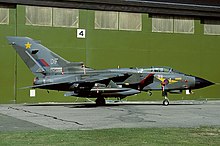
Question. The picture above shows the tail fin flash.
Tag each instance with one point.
(38, 58)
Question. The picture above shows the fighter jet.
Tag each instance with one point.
(55, 73)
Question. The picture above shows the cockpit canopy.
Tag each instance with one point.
(159, 69)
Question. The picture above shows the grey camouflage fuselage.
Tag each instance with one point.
(55, 73)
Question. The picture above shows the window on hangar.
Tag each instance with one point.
(4, 15)
(47, 16)
(118, 20)
(172, 24)
(65, 17)
(106, 20)
(212, 27)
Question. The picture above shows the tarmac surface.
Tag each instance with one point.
(87, 116)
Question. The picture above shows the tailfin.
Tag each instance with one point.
(38, 58)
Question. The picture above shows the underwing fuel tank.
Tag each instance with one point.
(105, 92)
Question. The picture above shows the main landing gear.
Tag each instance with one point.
(100, 101)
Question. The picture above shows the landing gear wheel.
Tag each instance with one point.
(100, 101)
(166, 102)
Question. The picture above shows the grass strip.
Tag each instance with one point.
(127, 136)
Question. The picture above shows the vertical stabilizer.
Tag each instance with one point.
(38, 58)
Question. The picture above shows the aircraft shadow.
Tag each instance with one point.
(93, 105)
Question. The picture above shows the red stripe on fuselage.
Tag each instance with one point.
(146, 80)
(44, 62)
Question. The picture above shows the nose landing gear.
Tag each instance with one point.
(164, 92)
(166, 100)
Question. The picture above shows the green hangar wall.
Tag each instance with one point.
(194, 51)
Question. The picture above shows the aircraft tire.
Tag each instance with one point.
(166, 102)
(100, 101)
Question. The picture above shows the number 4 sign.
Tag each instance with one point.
(81, 33)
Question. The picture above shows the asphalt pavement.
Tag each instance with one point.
(87, 116)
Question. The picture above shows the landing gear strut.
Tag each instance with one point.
(164, 92)
(166, 100)
(100, 101)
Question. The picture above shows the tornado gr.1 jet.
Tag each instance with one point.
(55, 73)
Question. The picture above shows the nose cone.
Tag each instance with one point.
(200, 83)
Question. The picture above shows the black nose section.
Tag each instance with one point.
(200, 83)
